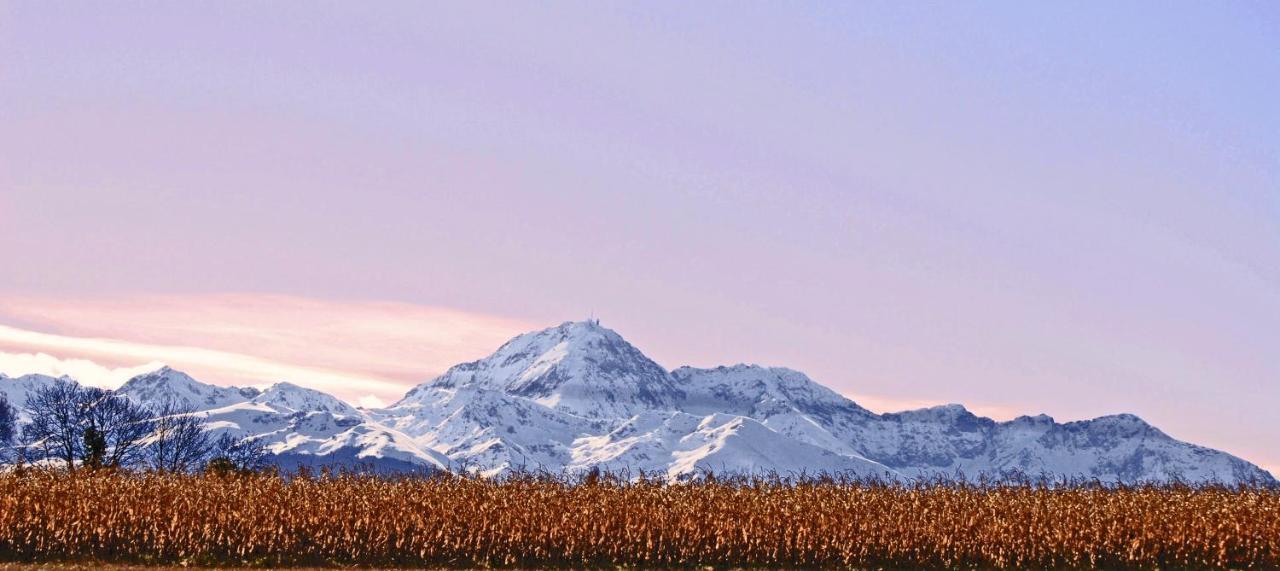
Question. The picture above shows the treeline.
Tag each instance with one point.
(88, 428)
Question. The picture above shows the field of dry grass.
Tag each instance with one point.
(527, 521)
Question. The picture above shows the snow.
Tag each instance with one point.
(165, 385)
(546, 361)
(288, 397)
(579, 368)
(17, 389)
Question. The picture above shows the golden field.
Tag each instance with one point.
(266, 520)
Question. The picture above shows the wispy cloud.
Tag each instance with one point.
(366, 352)
(83, 370)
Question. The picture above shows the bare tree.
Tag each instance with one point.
(98, 428)
(120, 423)
(8, 427)
(55, 432)
(232, 454)
(178, 442)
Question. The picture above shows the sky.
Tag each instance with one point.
(1023, 207)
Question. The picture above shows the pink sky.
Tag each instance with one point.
(355, 350)
(1060, 209)
(364, 352)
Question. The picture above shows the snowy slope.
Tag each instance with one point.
(679, 445)
(761, 392)
(946, 440)
(490, 431)
(784, 400)
(167, 385)
(311, 437)
(288, 398)
(578, 368)
(17, 389)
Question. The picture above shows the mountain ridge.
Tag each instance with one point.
(577, 396)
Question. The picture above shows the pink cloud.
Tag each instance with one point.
(353, 349)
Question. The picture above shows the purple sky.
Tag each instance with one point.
(1071, 209)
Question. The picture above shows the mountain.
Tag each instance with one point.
(167, 385)
(1120, 448)
(298, 426)
(290, 398)
(17, 389)
(318, 438)
(578, 397)
(678, 445)
(489, 431)
(578, 368)
(302, 426)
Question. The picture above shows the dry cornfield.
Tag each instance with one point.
(526, 521)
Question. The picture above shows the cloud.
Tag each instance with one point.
(83, 370)
(354, 350)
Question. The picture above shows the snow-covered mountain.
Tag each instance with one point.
(322, 437)
(290, 398)
(167, 385)
(302, 426)
(577, 368)
(577, 396)
(17, 389)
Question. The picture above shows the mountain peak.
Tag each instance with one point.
(288, 397)
(585, 324)
(758, 391)
(578, 331)
(579, 367)
(164, 374)
(169, 385)
(1122, 425)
